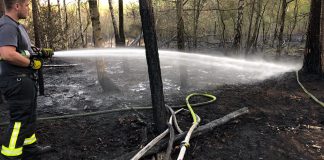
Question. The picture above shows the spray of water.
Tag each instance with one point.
(193, 69)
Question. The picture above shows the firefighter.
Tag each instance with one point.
(18, 65)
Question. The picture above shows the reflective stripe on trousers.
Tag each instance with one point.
(12, 150)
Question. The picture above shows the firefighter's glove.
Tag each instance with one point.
(47, 52)
(35, 63)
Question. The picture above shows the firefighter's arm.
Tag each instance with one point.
(9, 54)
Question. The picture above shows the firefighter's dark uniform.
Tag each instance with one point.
(18, 86)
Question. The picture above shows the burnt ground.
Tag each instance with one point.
(283, 123)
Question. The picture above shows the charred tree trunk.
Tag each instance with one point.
(198, 6)
(221, 17)
(80, 23)
(296, 8)
(256, 27)
(49, 24)
(121, 24)
(181, 44)
(105, 82)
(250, 28)
(238, 28)
(37, 43)
(275, 35)
(180, 26)
(1, 8)
(282, 26)
(322, 38)
(153, 62)
(66, 27)
(312, 57)
(113, 19)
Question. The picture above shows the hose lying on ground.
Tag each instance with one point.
(185, 143)
(107, 111)
(305, 90)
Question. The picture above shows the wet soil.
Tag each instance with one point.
(283, 122)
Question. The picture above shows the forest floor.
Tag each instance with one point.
(283, 122)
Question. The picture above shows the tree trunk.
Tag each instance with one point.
(1, 11)
(282, 27)
(275, 35)
(250, 28)
(221, 17)
(66, 27)
(180, 26)
(296, 8)
(238, 28)
(198, 6)
(256, 27)
(121, 24)
(49, 24)
(113, 19)
(106, 84)
(153, 62)
(322, 38)
(312, 57)
(181, 44)
(37, 30)
(80, 23)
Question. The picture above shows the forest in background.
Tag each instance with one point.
(272, 25)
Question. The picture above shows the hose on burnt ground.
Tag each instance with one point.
(106, 112)
(308, 93)
(185, 143)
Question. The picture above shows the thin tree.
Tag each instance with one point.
(198, 6)
(80, 24)
(322, 37)
(66, 27)
(221, 18)
(312, 58)
(275, 34)
(49, 24)
(153, 62)
(106, 84)
(38, 43)
(180, 25)
(1, 8)
(248, 41)
(113, 19)
(121, 24)
(238, 28)
(282, 25)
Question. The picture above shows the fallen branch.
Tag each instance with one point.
(199, 131)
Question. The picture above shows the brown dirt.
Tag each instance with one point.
(280, 124)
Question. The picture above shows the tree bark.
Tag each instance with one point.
(282, 26)
(37, 30)
(153, 62)
(296, 8)
(221, 17)
(121, 24)
(180, 26)
(275, 35)
(1, 11)
(322, 38)
(312, 58)
(113, 19)
(105, 82)
(250, 28)
(238, 28)
(49, 24)
(66, 27)
(80, 23)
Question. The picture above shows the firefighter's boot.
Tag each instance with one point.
(33, 152)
